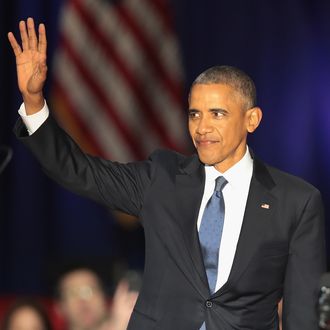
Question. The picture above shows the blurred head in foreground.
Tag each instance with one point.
(82, 300)
(26, 314)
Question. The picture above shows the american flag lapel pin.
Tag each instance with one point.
(265, 206)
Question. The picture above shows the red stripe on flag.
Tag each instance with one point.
(152, 55)
(154, 123)
(162, 8)
(80, 123)
(129, 139)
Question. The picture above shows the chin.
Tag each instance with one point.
(206, 160)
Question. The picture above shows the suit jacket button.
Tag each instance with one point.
(208, 304)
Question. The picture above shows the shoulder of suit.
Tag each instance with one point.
(290, 181)
(172, 161)
(171, 156)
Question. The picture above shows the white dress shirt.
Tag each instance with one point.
(235, 195)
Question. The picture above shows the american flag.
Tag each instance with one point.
(117, 80)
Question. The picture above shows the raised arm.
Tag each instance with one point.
(31, 64)
(118, 186)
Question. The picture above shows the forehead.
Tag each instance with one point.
(213, 95)
(26, 314)
(79, 278)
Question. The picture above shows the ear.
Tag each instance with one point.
(253, 119)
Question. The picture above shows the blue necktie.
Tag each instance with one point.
(210, 233)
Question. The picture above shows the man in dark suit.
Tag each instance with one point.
(226, 235)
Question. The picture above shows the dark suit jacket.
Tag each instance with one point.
(280, 251)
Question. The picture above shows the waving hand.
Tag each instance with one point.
(30, 63)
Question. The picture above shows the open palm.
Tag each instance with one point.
(30, 58)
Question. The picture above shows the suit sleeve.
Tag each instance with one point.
(118, 186)
(305, 265)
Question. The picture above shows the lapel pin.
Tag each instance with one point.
(265, 206)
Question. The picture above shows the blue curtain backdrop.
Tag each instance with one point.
(284, 46)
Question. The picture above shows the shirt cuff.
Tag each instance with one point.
(33, 122)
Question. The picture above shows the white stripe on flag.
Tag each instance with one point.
(118, 65)
(159, 35)
(108, 78)
(117, 34)
(90, 110)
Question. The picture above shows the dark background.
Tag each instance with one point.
(284, 46)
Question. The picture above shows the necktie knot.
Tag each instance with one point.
(220, 183)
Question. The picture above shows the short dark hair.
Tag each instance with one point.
(233, 77)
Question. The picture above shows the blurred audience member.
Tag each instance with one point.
(26, 314)
(123, 303)
(82, 301)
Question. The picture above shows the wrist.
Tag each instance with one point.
(33, 103)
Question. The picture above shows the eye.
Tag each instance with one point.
(193, 114)
(218, 113)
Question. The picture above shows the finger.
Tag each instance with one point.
(132, 299)
(121, 290)
(32, 34)
(24, 36)
(14, 44)
(42, 46)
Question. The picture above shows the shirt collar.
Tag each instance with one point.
(239, 173)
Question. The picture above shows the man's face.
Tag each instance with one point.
(218, 124)
(82, 303)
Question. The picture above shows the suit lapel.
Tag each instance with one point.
(190, 182)
(260, 207)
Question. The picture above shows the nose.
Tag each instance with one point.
(203, 126)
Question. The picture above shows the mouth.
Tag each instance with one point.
(205, 143)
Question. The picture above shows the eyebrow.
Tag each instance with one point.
(218, 110)
(210, 110)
